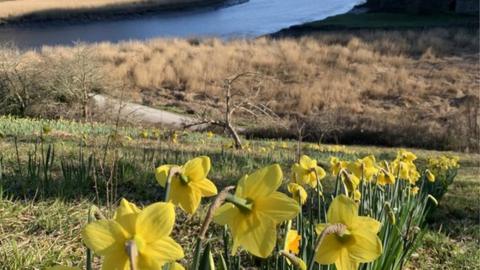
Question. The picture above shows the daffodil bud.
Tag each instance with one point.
(430, 197)
(430, 176)
(390, 213)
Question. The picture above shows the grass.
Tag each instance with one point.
(42, 228)
(392, 21)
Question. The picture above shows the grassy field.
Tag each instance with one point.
(40, 220)
(35, 10)
(379, 20)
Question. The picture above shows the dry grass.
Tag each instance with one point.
(397, 84)
(14, 9)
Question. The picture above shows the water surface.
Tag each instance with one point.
(247, 20)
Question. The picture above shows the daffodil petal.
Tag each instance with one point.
(128, 222)
(226, 214)
(206, 187)
(367, 246)
(126, 208)
(159, 252)
(320, 227)
(344, 262)
(320, 172)
(367, 223)
(176, 266)
(185, 196)
(260, 236)
(277, 206)
(329, 250)
(115, 262)
(197, 168)
(155, 222)
(161, 174)
(104, 237)
(261, 183)
(306, 162)
(342, 210)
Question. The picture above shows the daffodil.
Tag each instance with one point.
(307, 171)
(351, 181)
(364, 168)
(144, 134)
(292, 242)
(210, 134)
(336, 165)
(414, 190)
(404, 167)
(253, 222)
(430, 176)
(298, 193)
(359, 242)
(149, 230)
(385, 178)
(189, 185)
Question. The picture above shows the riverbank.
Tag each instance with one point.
(360, 19)
(34, 11)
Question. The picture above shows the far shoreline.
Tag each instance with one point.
(361, 17)
(112, 12)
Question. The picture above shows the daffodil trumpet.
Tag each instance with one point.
(338, 228)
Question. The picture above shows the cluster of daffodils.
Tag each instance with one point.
(371, 218)
(442, 163)
(329, 148)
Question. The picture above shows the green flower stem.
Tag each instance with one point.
(241, 203)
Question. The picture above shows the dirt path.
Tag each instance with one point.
(138, 113)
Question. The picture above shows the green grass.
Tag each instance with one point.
(393, 20)
(40, 224)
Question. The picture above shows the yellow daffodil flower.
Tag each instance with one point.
(406, 155)
(351, 181)
(175, 138)
(364, 168)
(358, 244)
(210, 134)
(254, 228)
(385, 178)
(298, 193)
(404, 167)
(307, 171)
(292, 242)
(190, 185)
(430, 176)
(144, 134)
(149, 229)
(414, 190)
(336, 165)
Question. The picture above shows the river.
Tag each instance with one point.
(250, 19)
